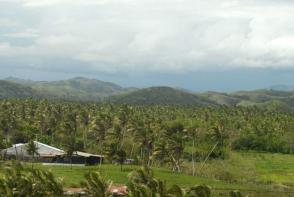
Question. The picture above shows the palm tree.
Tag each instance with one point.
(199, 191)
(142, 183)
(19, 182)
(121, 157)
(43, 183)
(70, 129)
(32, 150)
(143, 176)
(235, 194)
(70, 147)
(174, 136)
(191, 132)
(95, 185)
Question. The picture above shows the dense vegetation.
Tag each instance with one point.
(83, 89)
(199, 141)
(13, 90)
(153, 135)
(18, 181)
(162, 95)
(73, 89)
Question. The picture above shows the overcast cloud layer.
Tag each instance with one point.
(126, 37)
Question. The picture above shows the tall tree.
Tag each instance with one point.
(32, 149)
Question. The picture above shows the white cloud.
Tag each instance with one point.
(45, 3)
(177, 35)
(28, 33)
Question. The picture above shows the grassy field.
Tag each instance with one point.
(254, 167)
(72, 177)
(252, 173)
(274, 168)
(246, 170)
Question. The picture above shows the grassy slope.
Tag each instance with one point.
(221, 98)
(162, 95)
(72, 177)
(275, 169)
(272, 99)
(263, 168)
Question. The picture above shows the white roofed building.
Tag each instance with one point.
(50, 154)
(43, 150)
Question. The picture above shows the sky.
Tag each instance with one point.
(221, 45)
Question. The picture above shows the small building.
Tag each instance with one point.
(79, 157)
(51, 155)
(45, 152)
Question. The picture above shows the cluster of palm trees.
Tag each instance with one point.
(151, 135)
(17, 181)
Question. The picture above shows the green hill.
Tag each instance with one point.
(267, 98)
(73, 89)
(270, 99)
(162, 95)
(221, 98)
(263, 95)
(83, 89)
(282, 87)
(14, 90)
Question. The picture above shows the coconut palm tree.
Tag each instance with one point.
(95, 185)
(20, 182)
(235, 194)
(32, 150)
(143, 184)
(199, 191)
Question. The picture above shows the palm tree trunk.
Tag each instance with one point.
(193, 162)
(208, 155)
(33, 162)
(131, 154)
(16, 152)
(70, 162)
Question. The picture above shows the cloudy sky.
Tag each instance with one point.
(201, 45)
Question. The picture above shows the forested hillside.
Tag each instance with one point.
(14, 90)
(162, 96)
(78, 89)
(83, 89)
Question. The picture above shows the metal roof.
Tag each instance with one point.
(83, 154)
(43, 150)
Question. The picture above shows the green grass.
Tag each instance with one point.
(254, 167)
(249, 171)
(273, 168)
(72, 177)
(261, 172)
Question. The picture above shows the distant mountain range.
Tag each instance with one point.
(163, 96)
(72, 89)
(14, 90)
(282, 88)
(83, 89)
